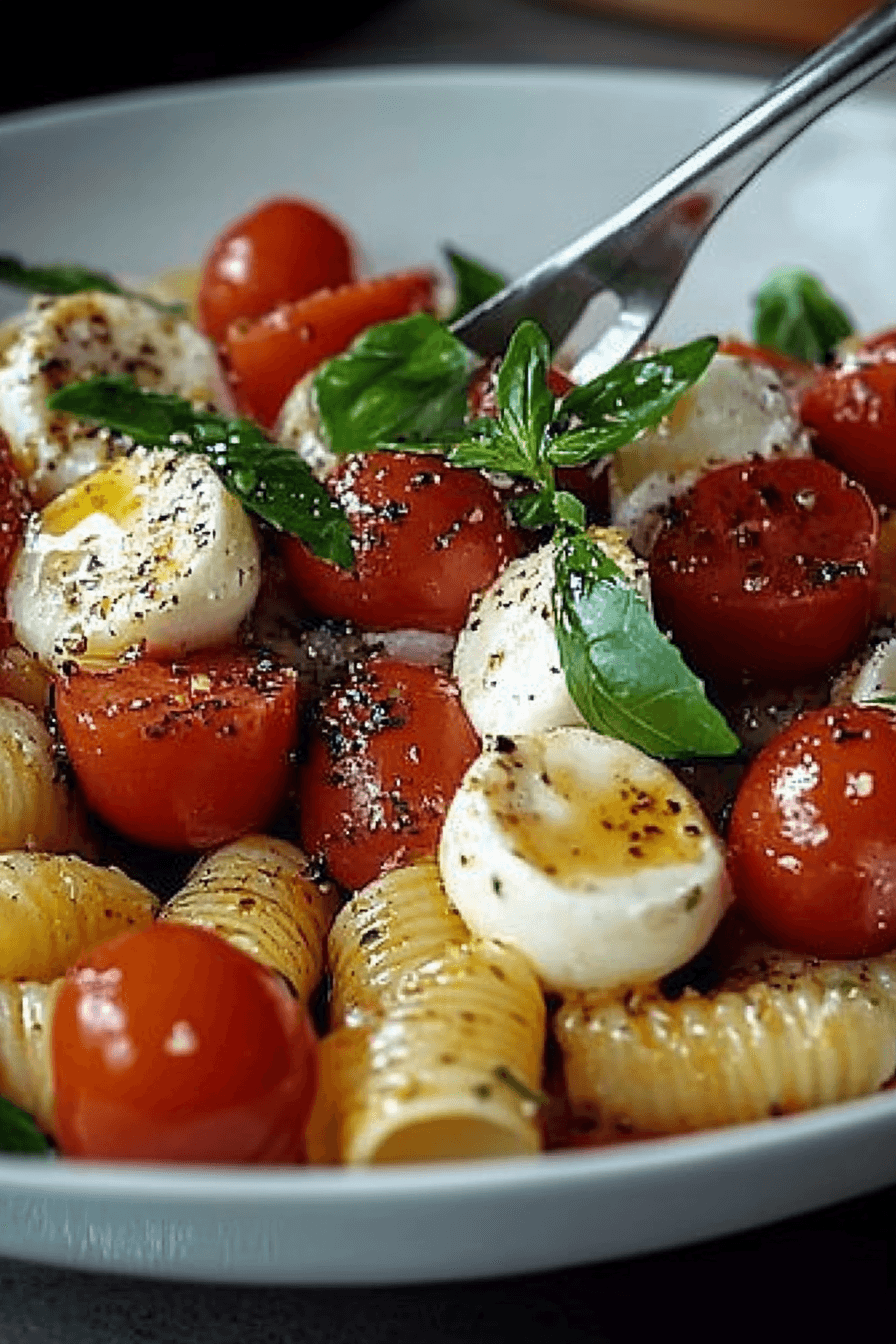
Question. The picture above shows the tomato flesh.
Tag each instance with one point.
(427, 536)
(768, 570)
(391, 746)
(183, 755)
(812, 838)
(265, 358)
(851, 410)
(170, 1045)
(283, 250)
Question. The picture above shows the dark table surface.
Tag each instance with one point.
(809, 1278)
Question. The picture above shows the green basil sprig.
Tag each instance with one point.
(268, 479)
(70, 278)
(473, 283)
(18, 1132)
(401, 380)
(796, 315)
(625, 677)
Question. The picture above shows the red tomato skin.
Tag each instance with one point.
(265, 358)
(391, 746)
(427, 536)
(851, 410)
(283, 250)
(170, 1045)
(812, 838)
(183, 755)
(792, 369)
(768, 570)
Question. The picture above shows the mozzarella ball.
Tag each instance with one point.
(507, 662)
(586, 855)
(151, 552)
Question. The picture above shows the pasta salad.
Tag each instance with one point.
(411, 757)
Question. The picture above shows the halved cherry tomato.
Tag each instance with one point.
(851, 409)
(813, 834)
(267, 357)
(182, 755)
(768, 569)
(391, 746)
(170, 1045)
(427, 536)
(282, 250)
(789, 366)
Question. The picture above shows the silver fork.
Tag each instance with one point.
(636, 258)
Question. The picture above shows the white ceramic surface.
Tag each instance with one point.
(507, 164)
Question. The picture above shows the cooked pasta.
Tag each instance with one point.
(37, 808)
(438, 1040)
(256, 893)
(55, 907)
(26, 1072)
(783, 1034)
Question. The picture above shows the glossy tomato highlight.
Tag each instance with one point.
(170, 1045)
(812, 840)
(851, 410)
(391, 746)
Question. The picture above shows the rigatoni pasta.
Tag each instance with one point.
(782, 1034)
(37, 808)
(54, 907)
(258, 895)
(26, 1073)
(436, 1051)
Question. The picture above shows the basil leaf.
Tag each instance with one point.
(548, 507)
(268, 479)
(615, 407)
(405, 379)
(69, 278)
(18, 1132)
(473, 283)
(525, 402)
(626, 678)
(796, 315)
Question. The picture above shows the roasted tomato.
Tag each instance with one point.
(427, 536)
(266, 357)
(851, 410)
(813, 834)
(768, 569)
(170, 1045)
(182, 755)
(391, 746)
(283, 250)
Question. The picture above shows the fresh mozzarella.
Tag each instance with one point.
(507, 662)
(65, 340)
(299, 428)
(876, 679)
(151, 552)
(737, 410)
(586, 855)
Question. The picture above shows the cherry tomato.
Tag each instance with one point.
(282, 250)
(171, 1045)
(851, 409)
(182, 755)
(267, 357)
(813, 834)
(788, 366)
(390, 749)
(768, 569)
(427, 536)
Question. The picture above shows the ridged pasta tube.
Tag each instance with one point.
(26, 1069)
(438, 1037)
(256, 893)
(781, 1035)
(54, 907)
(37, 808)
